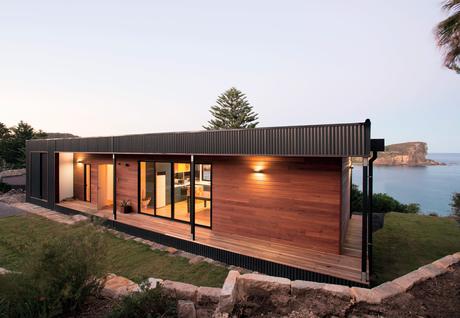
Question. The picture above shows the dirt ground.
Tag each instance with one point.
(439, 297)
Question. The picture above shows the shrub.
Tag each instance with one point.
(59, 276)
(381, 202)
(455, 204)
(4, 187)
(146, 303)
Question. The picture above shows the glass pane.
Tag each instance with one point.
(163, 189)
(181, 191)
(146, 187)
(203, 194)
(87, 183)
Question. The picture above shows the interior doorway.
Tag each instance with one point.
(104, 186)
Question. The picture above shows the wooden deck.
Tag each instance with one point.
(346, 266)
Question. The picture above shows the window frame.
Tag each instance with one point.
(172, 217)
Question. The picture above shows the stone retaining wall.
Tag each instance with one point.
(277, 292)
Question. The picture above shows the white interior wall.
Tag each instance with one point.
(65, 175)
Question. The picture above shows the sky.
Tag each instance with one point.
(96, 68)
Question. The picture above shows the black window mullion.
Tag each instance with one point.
(173, 191)
(154, 188)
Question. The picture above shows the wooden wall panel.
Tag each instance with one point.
(294, 200)
(127, 180)
(94, 160)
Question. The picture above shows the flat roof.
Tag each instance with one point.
(331, 140)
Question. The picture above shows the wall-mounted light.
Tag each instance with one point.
(79, 161)
(258, 169)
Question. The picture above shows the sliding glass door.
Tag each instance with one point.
(87, 182)
(164, 191)
(182, 191)
(146, 187)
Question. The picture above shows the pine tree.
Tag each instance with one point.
(232, 111)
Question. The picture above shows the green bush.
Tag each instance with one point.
(381, 202)
(59, 276)
(146, 303)
(4, 187)
(456, 204)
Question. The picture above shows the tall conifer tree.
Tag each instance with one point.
(232, 111)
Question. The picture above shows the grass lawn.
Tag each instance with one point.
(128, 258)
(408, 241)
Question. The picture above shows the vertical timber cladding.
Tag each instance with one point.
(286, 200)
(78, 179)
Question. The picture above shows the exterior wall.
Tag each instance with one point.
(94, 160)
(294, 200)
(346, 189)
(66, 175)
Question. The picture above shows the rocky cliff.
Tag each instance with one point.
(405, 154)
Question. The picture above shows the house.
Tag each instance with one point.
(274, 200)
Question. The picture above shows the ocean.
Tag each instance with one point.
(431, 186)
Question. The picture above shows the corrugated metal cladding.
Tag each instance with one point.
(340, 140)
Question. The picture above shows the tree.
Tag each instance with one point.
(13, 144)
(232, 111)
(456, 204)
(448, 35)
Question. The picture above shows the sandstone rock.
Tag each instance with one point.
(79, 218)
(228, 293)
(196, 259)
(431, 270)
(302, 287)
(118, 286)
(409, 280)
(180, 290)
(204, 313)
(446, 261)
(171, 250)
(338, 290)
(153, 283)
(276, 289)
(364, 295)
(387, 290)
(186, 309)
(457, 257)
(207, 296)
(4, 271)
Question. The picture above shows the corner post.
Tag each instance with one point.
(364, 275)
(192, 196)
(114, 163)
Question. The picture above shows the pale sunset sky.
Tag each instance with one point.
(120, 67)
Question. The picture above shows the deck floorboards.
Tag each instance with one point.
(346, 266)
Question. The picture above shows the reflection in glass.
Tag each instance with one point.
(146, 187)
(163, 189)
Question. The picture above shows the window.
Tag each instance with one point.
(146, 178)
(87, 182)
(203, 200)
(163, 189)
(39, 175)
(182, 191)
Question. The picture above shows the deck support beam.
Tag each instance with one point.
(192, 196)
